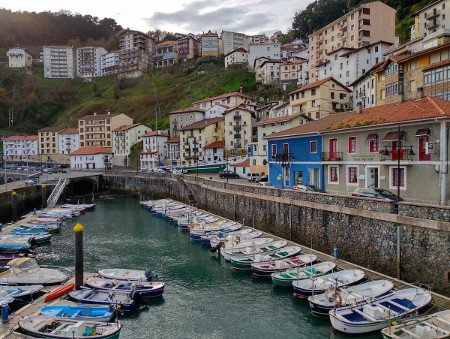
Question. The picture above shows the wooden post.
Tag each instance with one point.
(79, 269)
(44, 196)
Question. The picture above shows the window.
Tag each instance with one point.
(342, 96)
(332, 95)
(313, 91)
(394, 176)
(274, 149)
(352, 175)
(313, 103)
(374, 144)
(285, 148)
(313, 147)
(352, 145)
(333, 174)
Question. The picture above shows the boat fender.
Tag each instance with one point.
(217, 247)
(337, 299)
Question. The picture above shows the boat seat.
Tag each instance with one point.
(75, 314)
(398, 305)
(365, 315)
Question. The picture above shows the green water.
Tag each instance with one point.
(203, 297)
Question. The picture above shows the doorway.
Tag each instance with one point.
(372, 177)
(314, 177)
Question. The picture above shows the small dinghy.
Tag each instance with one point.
(435, 326)
(265, 269)
(51, 228)
(86, 207)
(96, 297)
(21, 231)
(379, 313)
(245, 263)
(252, 250)
(235, 246)
(350, 296)
(41, 326)
(317, 285)
(20, 294)
(242, 234)
(126, 274)
(225, 228)
(26, 271)
(11, 245)
(101, 314)
(145, 289)
(286, 277)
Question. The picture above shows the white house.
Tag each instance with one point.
(59, 62)
(268, 72)
(125, 137)
(364, 90)
(269, 50)
(154, 150)
(237, 56)
(109, 63)
(69, 140)
(173, 151)
(215, 111)
(91, 158)
(241, 167)
(214, 152)
(18, 58)
(20, 147)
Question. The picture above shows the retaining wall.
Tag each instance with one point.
(28, 198)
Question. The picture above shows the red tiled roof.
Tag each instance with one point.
(155, 134)
(167, 43)
(91, 150)
(51, 129)
(278, 119)
(69, 131)
(188, 109)
(216, 144)
(21, 138)
(240, 107)
(245, 163)
(240, 49)
(98, 116)
(201, 124)
(318, 84)
(437, 64)
(173, 140)
(125, 127)
(225, 95)
(425, 108)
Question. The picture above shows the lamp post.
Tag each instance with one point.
(226, 175)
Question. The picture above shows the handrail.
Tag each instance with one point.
(56, 193)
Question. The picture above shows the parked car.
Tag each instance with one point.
(376, 193)
(254, 177)
(308, 188)
(265, 184)
(228, 174)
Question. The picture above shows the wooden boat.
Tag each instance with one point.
(22, 231)
(126, 274)
(379, 313)
(242, 233)
(97, 297)
(101, 314)
(245, 263)
(320, 284)
(252, 250)
(20, 294)
(434, 326)
(51, 228)
(86, 207)
(285, 278)
(10, 245)
(145, 289)
(225, 227)
(235, 246)
(41, 326)
(350, 296)
(265, 269)
(26, 271)
(59, 292)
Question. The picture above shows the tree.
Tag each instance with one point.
(96, 91)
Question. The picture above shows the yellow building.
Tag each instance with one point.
(210, 44)
(48, 142)
(321, 98)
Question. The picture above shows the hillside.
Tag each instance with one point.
(41, 102)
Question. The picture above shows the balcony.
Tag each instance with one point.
(237, 127)
(237, 117)
(237, 136)
(283, 157)
(432, 15)
(237, 145)
(395, 155)
(332, 156)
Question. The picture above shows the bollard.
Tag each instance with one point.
(44, 196)
(5, 312)
(14, 205)
(78, 229)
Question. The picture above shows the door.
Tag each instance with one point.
(314, 177)
(372, 177)
(333, 149)
(423, 151)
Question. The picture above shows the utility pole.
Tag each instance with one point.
(399, 149)
(10, 117)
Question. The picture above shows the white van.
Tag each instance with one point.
(254, 177)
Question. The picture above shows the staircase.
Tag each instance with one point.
(189, 195)
(57, 191)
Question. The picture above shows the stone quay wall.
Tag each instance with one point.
(28, 198)
(412, 245)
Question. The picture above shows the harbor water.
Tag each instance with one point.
(203, 297)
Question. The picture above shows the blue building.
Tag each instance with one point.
(295, 155)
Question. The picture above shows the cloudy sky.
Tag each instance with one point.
(184, 16)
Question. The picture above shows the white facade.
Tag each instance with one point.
(101, 159)
(431, 19)
(270, 50)
(232, 40)
(238, 56)
(364, 91)
(18, 58)
(123, 138)
(154, 150)
(20, 147)
(69, 141)
(88, 61)
(268, 72)
(173, 151)
(213, 155)
(59, 62)
(215, 111)
(109, 63)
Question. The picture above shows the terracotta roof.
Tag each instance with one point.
(318, 84)
(313, 126)
(367, 46)
(201, 124)
(91, 150)
(225, 95)
(188, 109)
(240, 49)
(51, 129)
(98, 116)
(240, 107)
(245, 163)
(437, 64)
(425, 52)
(155, 134)
(125, 127)
(279, 119)
(293, 48)
(167, 43)
(425, 108)
(69, 131)
(216, 144)
(173, 140)
(21, 138)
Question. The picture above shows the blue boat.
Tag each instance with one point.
(102, 314)
(21, 231)
(124, 300)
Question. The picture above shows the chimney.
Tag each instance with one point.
(95, 113)
(358, 109)
(419, 93)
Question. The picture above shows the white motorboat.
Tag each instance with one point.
(126, 274)
(26, 271)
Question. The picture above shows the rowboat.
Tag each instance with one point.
(242, 233)
(6, 257)
(379, 313)
(86, 207)
(9, 244)
(21, 231)
(286, 277)
(20, 294)
(252, 250)
(126, 274)
(245, 263)
(97, 297)
(232, 247)
(41, 326)
(350, 296)
(221, 227)
(320, 284)
(59, 292)
(51, 228)
(435, 326)
(265, 269)
(145, 289)
(26, 271)
(101, 314)
(32, 239)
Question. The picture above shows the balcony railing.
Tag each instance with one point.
(284, 157)
(237, 136)
(331, 156)
(237, 127)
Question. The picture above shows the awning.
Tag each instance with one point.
(373, 136)
(394, 136)
(422, 132)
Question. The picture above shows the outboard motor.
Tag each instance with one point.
(32, 242)
(217, 247)
(150, 276)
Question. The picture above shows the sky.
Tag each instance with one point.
(183, 16)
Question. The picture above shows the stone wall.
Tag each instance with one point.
(28, 198)
(364, 230)
(417, 210)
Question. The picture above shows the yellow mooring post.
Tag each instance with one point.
(14, 205)
(79, 269)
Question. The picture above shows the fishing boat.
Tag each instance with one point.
(26, 271)
(434, 326)
(245, 263)
(126, 274)
(97, 297)
(9, 244)
(350, 296)
(379, 313)
(224, 227)
(320, 284)
(265, 269)
(101, 314)
(285, 278)
(145, 289)
(41, 326)
(86, 207)
(242, 233)
(20, 294)
(252, 250)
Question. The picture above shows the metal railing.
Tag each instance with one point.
(57, 191)
(332, 156)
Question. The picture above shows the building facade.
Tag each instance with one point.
(269, 50)
(238, 56)
(88, 61)
(183, 117)
(19, 58)
(233, 40)
(125, 137)
(293, 71)
(91, 158)
(166, 54)
(20, 148)
(59, 62)
(210, 45)
(229, 100)
(268, 72)
(214, 152)
(68, 140)
(238, 130)
(430, 19)
(49, 142)
(154, 151)
(109, 63)
(173, 152)
(188, 48)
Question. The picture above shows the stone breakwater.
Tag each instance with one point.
(414, 246)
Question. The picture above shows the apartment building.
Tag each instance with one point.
(239, 123)
(59, 62)
(49, 142)
(135, 52)
(210, 44)
(269, 50)
(173, 151)
(297, 48)
(258, 39)
(91, 158)
(430, 19)
(366, 24)
(268, 72)
(232, 41)
(123, 139)
(364, 90)
(19, 58)
(96, 129)
(238, 56)
(231, 99)
(166, 54)
(320, 98)
(215, 111)
(188, 47)
(109, 63)
(214, 152)
(154, 150)
(68, 140)
(294, 70)
(20, 147)
(88, 62)
(183, 117)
